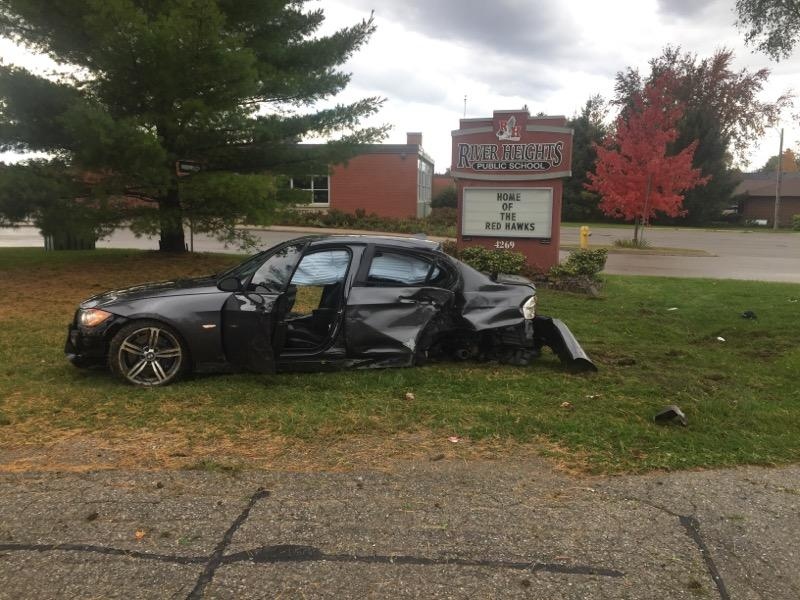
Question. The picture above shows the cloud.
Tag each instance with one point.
(509, 48)
(427, 54)
(717, 12)
(681, 8)
(518, 77)
(504, 27)
(399, 83)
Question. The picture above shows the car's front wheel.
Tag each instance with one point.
(148, 353)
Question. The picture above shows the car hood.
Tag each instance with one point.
(180, 287)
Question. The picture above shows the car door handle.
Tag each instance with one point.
(412, 300)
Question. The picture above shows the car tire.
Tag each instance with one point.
(148, 353)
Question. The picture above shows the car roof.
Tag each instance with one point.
(383, 240)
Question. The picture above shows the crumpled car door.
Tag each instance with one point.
(387, 322)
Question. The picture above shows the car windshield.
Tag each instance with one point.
(245, 269)
(274, 273)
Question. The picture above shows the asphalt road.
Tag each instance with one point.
(755, 255)
(733, 254)
(431, 529)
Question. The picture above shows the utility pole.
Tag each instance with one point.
(778, 185)
(465, 106)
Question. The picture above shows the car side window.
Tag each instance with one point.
(319, 280)
(274, 274)
(442, 276)
(322, 268)
(398, 269)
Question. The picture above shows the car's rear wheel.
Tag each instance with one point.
(148, 353)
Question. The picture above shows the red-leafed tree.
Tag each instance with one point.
(634, 174)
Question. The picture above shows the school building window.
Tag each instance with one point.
(424, 184)
(317, 187)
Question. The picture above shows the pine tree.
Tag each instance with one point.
(230, 86)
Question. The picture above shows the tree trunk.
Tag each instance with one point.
(636, 231)
(169, 208)
(646, 211)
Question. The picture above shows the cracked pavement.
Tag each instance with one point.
(424, 529)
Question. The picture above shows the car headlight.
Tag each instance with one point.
(529, 307)
(92, 317)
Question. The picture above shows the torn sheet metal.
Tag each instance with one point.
(384, 321)
(557, 336)
(493, 303)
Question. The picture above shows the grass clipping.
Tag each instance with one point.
(79, 452)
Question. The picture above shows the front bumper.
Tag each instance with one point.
(555, 334)
(88, 347)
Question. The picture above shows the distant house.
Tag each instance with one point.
(390, 180)
(758, 197)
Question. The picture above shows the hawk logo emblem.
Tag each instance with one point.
(509, 130)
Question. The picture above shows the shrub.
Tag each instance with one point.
(796, 223)
(443, 216)
(440, 222)
(582, 263)
(640, 243)
(447, 198)
(580, 272)
(451, 248)
(493, 261)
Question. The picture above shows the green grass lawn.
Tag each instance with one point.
(741, 396)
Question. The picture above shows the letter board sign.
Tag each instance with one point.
(507, 212)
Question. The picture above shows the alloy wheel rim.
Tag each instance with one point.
(150, 356)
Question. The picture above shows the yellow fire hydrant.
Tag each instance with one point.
(585, 233)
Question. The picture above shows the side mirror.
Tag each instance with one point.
(230, 284)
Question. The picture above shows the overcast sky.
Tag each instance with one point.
(426, 55)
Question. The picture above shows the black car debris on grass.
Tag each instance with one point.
(317, 303)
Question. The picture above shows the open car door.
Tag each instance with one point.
(318, 285)
(252, 330)
(398, 297)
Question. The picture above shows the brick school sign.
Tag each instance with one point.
(509, 171)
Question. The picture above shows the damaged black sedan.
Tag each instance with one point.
(318, 303)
